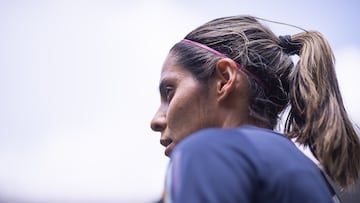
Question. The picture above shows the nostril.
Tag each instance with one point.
(156, 127)
(165, 142)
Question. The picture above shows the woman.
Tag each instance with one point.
(222, 89)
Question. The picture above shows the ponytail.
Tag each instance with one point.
(317, 116)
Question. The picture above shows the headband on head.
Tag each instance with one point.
(203, 46)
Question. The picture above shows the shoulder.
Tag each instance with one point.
(245, 138)
(233, 147)
(263, 150)
(212, 166)
(228, 164)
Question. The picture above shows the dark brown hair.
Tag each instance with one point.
(310, 88)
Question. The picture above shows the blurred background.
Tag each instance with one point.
(78, 88)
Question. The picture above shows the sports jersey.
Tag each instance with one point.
(242, 165)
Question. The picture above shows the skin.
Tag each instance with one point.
(188, 105)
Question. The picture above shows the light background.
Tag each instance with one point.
(78, 88)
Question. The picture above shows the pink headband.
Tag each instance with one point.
(224, 56)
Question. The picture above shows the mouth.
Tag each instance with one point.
(168, 144)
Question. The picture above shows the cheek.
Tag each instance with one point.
(185, 116)
(179, 118)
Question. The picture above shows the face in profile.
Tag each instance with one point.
(186, 105)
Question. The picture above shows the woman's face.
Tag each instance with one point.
(186, 105)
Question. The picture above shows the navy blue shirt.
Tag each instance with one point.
(242, 165)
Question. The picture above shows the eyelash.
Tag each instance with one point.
(168, 93)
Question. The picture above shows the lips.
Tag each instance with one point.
(169, 149)
(168, 143)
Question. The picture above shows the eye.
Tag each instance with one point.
(167, 92)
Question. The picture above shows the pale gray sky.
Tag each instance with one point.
(78, 87)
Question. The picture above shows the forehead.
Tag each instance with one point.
(171, 70)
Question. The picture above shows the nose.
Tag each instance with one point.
(158, 123)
